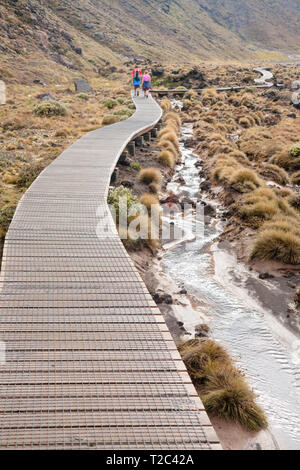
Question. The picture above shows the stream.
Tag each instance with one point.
(261, 346)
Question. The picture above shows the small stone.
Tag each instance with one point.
(183, 291)
(266, 276)
(162, 298)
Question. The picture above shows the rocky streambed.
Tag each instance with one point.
(233, 301)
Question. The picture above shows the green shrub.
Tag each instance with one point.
(82, 96)
(28, 174)
(295, 150)
(115, 196)
(50, 108)
(136, 166)
(109, 103)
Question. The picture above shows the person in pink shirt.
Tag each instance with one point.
(146, 84)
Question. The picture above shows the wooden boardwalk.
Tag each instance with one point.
(90, 363)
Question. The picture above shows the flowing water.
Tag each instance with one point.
(237, 320)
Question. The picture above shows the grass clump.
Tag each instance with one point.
(166, 105)
(150, 175)
(82, 96)
(247, 178)
(277, 244)
(221, 386)
(50, 108)
(109, 119)
(109, 103)
(28, 174)
(274, 173)
(166, 158)
(296, 178)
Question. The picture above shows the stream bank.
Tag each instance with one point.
(201, 281)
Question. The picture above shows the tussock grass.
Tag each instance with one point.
(149, 200)
(150, 175)
(246, 177)
(221, 386)
(173, 117)
(166, 158)
(274, 173)
(227, 395)
(296, 178)
(109, 119)
(171, 137)
(275, 244)
(166, 105)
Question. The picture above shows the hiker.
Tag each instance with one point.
(136, 80)
(146, 84)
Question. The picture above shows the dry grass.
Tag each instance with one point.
(275, 244)
(166, 158)
(109, 119)
(274, 173)
(221, 386)
(150, 175)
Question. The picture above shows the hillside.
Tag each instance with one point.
(94, 35)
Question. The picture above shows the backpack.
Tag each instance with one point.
(137, 75)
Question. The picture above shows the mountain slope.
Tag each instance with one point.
(92, 35)
(186, 28)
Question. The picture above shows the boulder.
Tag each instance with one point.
(296, 99)
(82, 86)
(2, 92)
(162, 298)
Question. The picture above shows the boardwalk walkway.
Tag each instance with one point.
(90, 363)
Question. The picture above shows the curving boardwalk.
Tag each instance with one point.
(90, 363)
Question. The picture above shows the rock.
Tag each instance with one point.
(127, 184)
(82, 86)
(183, 292)
(78, 50)
(291, 285)
(46, 97)
(88, 26)
(209, 210)
(2, 92)
(157, 72)
(296, 99)
(173, 199)
(162, 298)
(266, 276)
(180, 180)
(187, 202)
(292, 115)
(296, 85)
(205, 186)
(37, 81)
